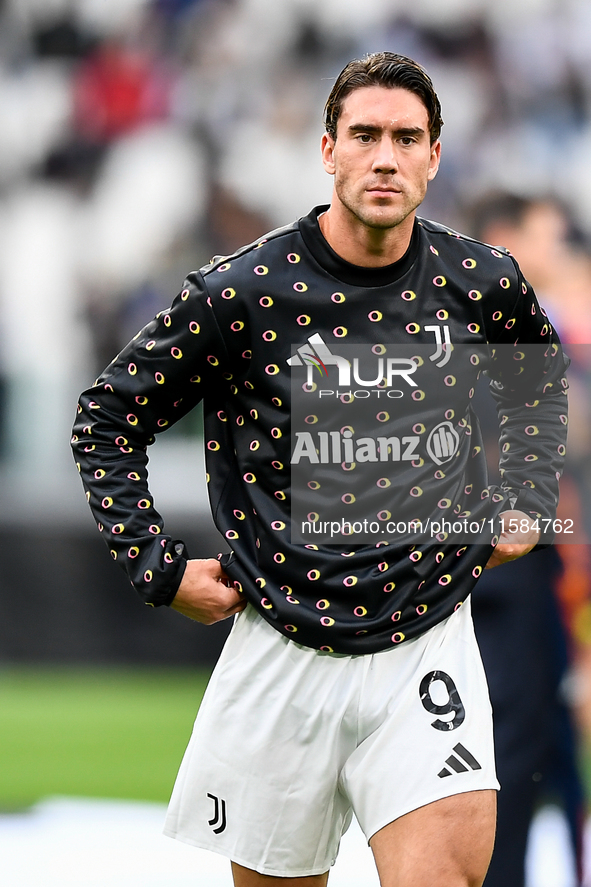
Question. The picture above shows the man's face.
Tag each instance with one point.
(382, 158)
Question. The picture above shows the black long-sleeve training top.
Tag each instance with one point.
(229, 340)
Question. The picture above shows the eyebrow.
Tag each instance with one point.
(375, 130)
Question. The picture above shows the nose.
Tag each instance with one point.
(384, 159)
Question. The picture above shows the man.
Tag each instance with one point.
(535, 737)
(297, 728)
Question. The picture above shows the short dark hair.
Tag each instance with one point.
(383, 69)
(498, 207)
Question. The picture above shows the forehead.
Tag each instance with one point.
(390, 107)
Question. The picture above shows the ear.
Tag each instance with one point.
(327, 148)
(434, 160)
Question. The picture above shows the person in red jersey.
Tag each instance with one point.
(351, 681)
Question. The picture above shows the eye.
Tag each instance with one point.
(364, 138)
(407, 140)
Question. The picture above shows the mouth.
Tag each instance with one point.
(382, 190)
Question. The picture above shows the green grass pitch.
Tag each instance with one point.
(110, 733)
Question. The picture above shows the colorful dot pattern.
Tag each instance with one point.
(226, 340)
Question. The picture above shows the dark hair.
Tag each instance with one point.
(383, 69)
(511, 209)
(497, 207)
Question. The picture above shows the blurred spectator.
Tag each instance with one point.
(116, 89)
(551, 250)
(524, 649)
(526, 613)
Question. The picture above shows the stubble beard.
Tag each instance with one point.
(380, 218)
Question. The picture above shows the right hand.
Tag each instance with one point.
(204, 594)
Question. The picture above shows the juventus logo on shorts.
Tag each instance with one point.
(458, 766)
(218, 822)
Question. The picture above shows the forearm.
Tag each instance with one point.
(532, 447)
(155, 380)
(113, 466)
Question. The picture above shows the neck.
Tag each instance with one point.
(359, 244)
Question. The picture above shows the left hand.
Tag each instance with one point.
(518, 538)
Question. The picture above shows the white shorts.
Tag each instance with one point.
(289, 741)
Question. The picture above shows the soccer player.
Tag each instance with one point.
(351, 680)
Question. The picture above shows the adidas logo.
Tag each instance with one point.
(458, 766)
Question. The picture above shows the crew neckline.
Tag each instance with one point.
(354, 275)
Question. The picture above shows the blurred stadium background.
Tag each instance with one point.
(137, 139)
